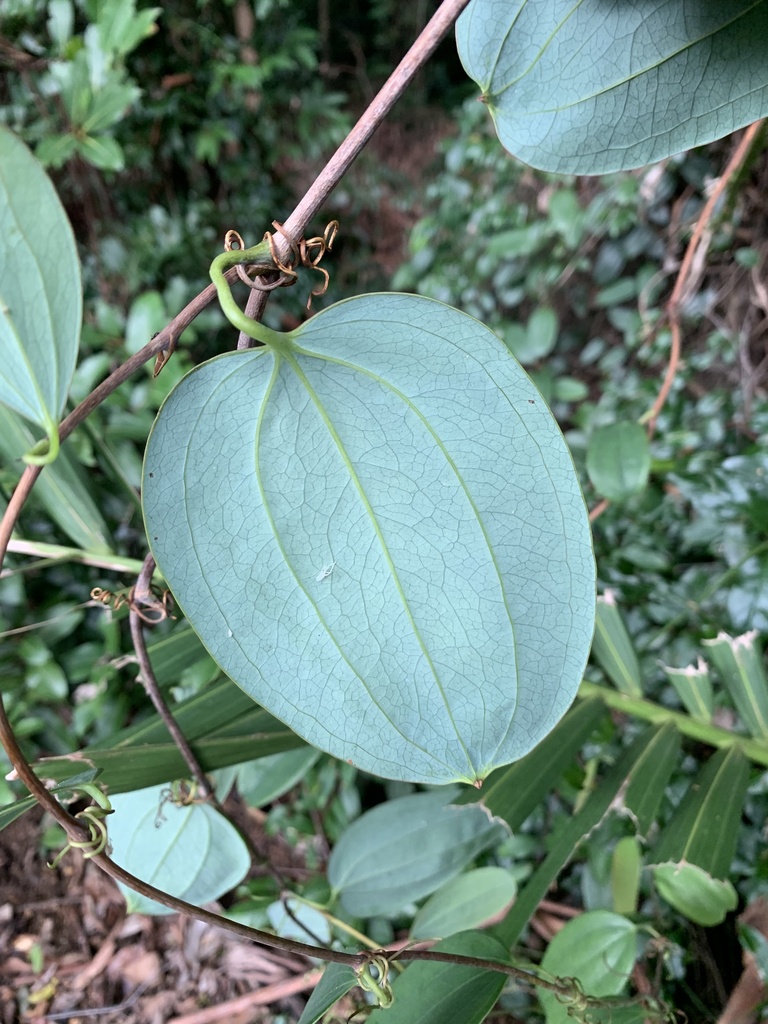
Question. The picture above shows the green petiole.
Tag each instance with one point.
(259, 256)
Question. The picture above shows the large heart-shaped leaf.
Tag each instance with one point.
(589, 86)
(40, 291)
(376, 529)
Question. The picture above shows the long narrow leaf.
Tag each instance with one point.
(705, 826)
(512, 793)
(635, 762)
(740, 664)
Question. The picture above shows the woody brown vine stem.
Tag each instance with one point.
(675, 300)
(426, 44)
(143, 595)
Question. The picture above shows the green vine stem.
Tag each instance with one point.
(639, 707)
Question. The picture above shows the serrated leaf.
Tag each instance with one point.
(469, 901)
(191, 852)
(599, 949)
(619, 460)
(587, 88)
(406, 849)
(695, 893)
(377, 531)
(40, 291)
(434, 993)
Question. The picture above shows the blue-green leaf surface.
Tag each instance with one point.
(407, 848)
(377, 531)
(191, 851)
(40, 290)
(590, 86)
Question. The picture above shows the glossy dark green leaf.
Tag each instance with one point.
(406, 849)
(222, 724)
(589, 87)
(694, 688)
(612, 648)
(612, 791)
(434, 993)
(377, 531)
(40, 290)
(739, 661)
(15, 810)
(648, 781)
(619, 460)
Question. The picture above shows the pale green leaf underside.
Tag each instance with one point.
(380, 536)
(191, 852)
(40, 290)
(590, 86)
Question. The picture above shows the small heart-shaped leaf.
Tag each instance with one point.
(376, 529)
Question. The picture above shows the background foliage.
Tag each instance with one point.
(162, 129)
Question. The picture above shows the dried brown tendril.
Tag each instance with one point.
(308, 252)
(157, 609)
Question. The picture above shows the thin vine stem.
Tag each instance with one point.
(425, 45)
(295, 226)
(674, 303)
(149, 681)
(675, 300)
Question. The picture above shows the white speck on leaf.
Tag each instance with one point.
(325, 572)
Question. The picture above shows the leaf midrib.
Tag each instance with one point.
(293, 362)
(628, 78)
